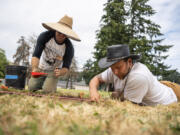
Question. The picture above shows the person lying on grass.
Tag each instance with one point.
(132, 80)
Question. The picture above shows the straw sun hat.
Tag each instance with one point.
(64, 26)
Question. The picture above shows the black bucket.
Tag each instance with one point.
(15, 76)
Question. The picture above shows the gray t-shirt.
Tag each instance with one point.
(141, 86)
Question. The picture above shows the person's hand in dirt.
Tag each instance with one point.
(93, 86)
(94, 96)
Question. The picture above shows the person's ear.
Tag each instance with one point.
(130, 61)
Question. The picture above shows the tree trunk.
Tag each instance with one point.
(67, 82)
(71, 82)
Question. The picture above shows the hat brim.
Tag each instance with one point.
(62, 29)
(103, 63)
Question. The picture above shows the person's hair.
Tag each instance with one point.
(126, 59)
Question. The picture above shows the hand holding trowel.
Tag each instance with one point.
(37, 73)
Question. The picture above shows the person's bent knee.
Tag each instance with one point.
(32, 88)
(35, 84)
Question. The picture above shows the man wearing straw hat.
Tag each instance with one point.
(53, 54)
(132, 80)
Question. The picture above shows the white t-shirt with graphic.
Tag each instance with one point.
(50, 55)
(141, 86)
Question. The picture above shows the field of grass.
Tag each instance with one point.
(27, 115)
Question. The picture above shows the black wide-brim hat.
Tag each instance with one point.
(115, 53)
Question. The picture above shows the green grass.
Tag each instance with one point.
(26, 115)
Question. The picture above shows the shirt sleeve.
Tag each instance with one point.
(136, 88)
(69, 54)
(41, 41)
(107, 76)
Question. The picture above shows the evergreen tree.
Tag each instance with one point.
(173, 77)
(112, 31)
(128, 22)
(145, 38)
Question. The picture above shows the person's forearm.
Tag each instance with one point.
(93, 89)
(94, 84)
(34, 63)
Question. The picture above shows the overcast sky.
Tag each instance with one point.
(24, 18)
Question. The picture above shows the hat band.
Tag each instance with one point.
(66, 25)
(114, 59)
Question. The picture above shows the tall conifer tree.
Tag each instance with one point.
(145, 38)
(128, 22)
